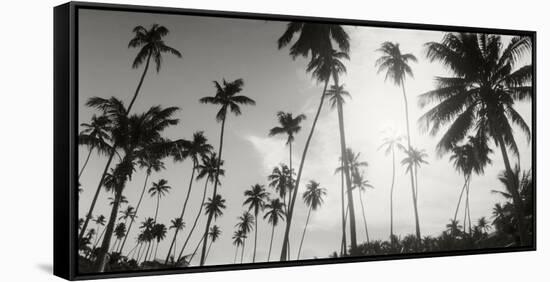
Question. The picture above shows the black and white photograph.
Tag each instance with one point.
(212, 140)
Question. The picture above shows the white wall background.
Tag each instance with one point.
(26, 127)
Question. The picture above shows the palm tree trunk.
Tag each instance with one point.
(236, 252)
(102, 258)
(284, 249)
(303, 234)
(111, 155)
(343, 249)
(364, 217)
(468, 209)
(518, 202)
(156, 250)
(182, 210)
(157, 209)
(196, 220)
(209, 220)
(255, 236)
(86, 162)
(98, 238)
(353, 234)
(271, 242)
(417, 222)
(460, 197)
(197, 248)
(133, 218)
(391, 195)
(208, 250)
(242, 251)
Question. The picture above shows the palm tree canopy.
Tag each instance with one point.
(313, 38)
(226, 97)
(120, 230)
(336, 95)
(288, 125)
(100, 220)
(96, 134)
(195, 149)
(214, 232)
(274, 212)
(177, 223)
(471, 157)
(256, 197)
(415, 158)
(215, 207)
(238, 237)
(327, 65)
(281, 179)
(159, 231)
(313, 196)
(209, 166)
(395, 63)
(246, 220)
(353, 161)
(160, 188)
(481, 93)
(360, 182)
(391, 143)
(129, 212)
(151, 44)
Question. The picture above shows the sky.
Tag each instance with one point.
(216, 48)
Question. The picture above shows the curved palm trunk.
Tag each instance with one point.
(255, 236)
(156, 249)
(182, 210)
(86, 162)
(460, 197)
(353, 234)
(364, 217)
(391, 195)
(468, 210)
(196, 249)
(157, 209)
(271, 242)
(284, 249)
(209, 220)
(236, 252)
(102, 258)
(343, 248)
(111, 155)
(415, 204)
(195, 222)
(518, 202)
(99, 238)
(133, 218)
(209, 246)
(242, 250)
(303, 234)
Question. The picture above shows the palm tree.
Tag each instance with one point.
(275, 212)
(120, 232)
(323, 67)
(213, 209)
(159, 189)
(483, 224)
(256, 198)
(396, 66)
(313, 198)
(238, 239)
(214, 234)
(281, 180)
(177, 224)
(152, 46)
(454, 228)
(246, 220)
(290, 126)
(390, 144)
(147, 227)
(360, 183)
(195, 150)
(207, 168)
(151, 161)
(226, 97)
(128, 213)
(480, 95)
(99, 221)
(159, 233)
(95, 135)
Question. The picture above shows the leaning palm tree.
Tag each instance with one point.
(214, 234)
(390, 144)
(159, 233)
(146, 234)
(120, 232)
(213, 209)
(246, 220)
(99, 221)
(176, 224)
(126, 214)
(480, 94)
(396, 65)
(238, 239)
(275, 212)
(226, 97)
(151, 45)
(290, 126)
(206, 169)
(281, 180)
(328, 64)
(360, 183)
(195, 149)
(158, 190)
(313, 198)
(414, 158)
(256, 198)
(95, 135)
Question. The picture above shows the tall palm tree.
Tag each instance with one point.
(151, 45)
(120, 232)
(228, 99)
(396, 65)
(246, 220)
(206, 169)
(238, 239)
(290, 126)
(281, 180)
(177, 224)
(275, 212)
(480, 94)
(313, 198)
(158, 190)
(214, 234)
(99, 221)
(256, 198)
(360, 183)
(195, 149)
(390, 144)
(126, 214)
(95, 135)
(328, 64)
(159, 233)
(213, 209)
(151, 161)
(147, 227)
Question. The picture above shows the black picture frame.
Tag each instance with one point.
(66, 132)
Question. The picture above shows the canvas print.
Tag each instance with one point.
(207, 141)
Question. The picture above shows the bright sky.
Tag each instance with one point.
(215, 48)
